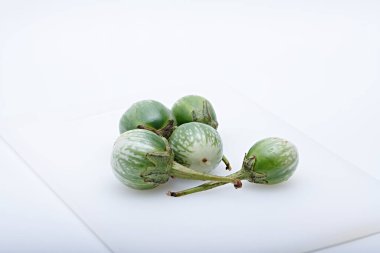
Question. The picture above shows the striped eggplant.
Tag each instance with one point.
(197, 146)
(143, 160)
(269, 161)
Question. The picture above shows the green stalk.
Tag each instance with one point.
(165, 131)
(181, 171)
(226, 162)
(207, 186)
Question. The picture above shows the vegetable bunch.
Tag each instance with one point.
(157, 143)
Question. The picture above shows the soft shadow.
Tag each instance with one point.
(118, 189)
(265, 188)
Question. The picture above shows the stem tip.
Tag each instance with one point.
(171, 194)
(226, 162)
(238, 184)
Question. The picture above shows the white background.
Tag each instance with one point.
(314, 64)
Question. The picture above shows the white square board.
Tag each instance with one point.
(326, 201)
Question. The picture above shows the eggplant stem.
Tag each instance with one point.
(167, 130)
(149, 129)
(181, 171)
(207, 186)
(164, 132)
(199, 188)
(226, 162)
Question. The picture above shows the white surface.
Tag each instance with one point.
(353, 133)
(370, 244)
(32, 218)
(327, 201)
(314, 64)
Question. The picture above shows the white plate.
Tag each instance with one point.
(326, 201)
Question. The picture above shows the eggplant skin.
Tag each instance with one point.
(129, 157)
(197, 146)
(194, 108)
(147, 113)
(276, 160)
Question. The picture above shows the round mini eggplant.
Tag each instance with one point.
(150, 115)
(197, 146)
(194, 108)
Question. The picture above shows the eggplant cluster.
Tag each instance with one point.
(156, 144)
